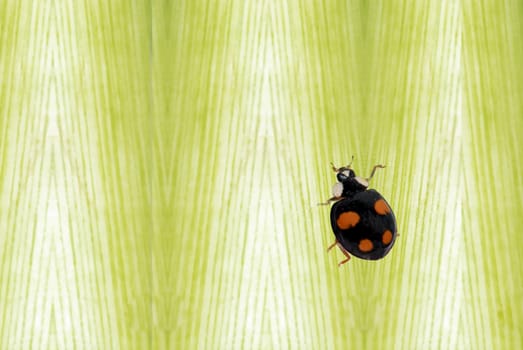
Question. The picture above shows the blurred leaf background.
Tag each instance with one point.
(161, 161)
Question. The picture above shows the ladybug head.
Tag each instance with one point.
(344, 174)
(348, 183)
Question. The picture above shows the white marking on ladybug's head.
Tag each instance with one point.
(346, 172)
(362, 181)
(337, 189)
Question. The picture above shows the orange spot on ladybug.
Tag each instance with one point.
(347, 220)
(386, 238)
(381, 207)
(365, 245)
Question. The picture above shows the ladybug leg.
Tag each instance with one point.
(332, 246)
(336, 243)
(331, 199)
(346, 253)
(374, 170)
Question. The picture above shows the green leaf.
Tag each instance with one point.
(161, 164)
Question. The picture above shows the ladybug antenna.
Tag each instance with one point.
(374, 170)
(343, 167)
(351, 160)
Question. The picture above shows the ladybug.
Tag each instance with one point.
(362, 220)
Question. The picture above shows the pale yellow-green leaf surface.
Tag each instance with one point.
(161, 164)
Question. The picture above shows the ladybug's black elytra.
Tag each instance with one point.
(362, 220)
